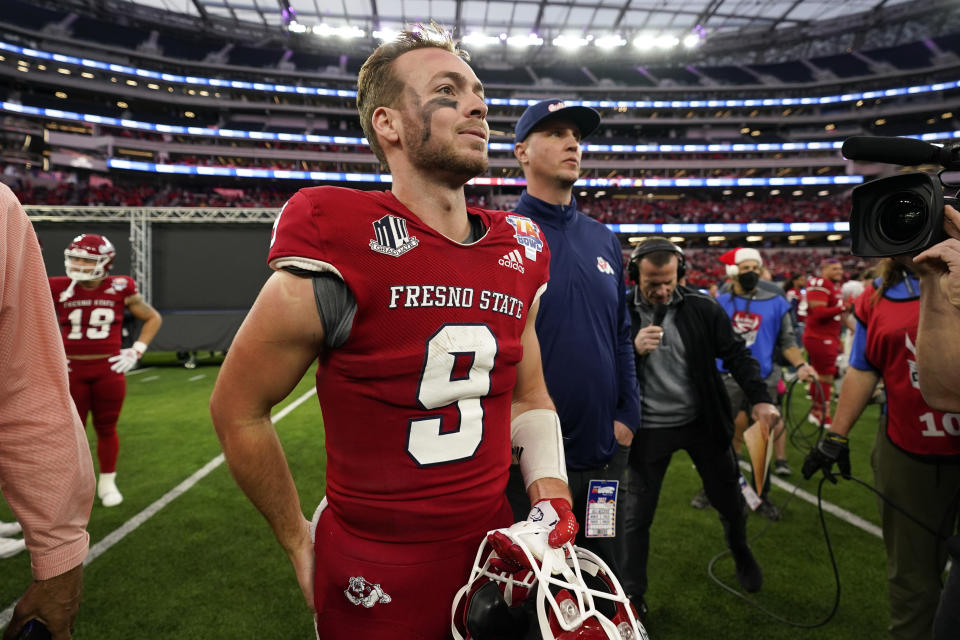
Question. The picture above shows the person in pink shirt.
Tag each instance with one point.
(46, 470)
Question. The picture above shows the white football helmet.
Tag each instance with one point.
(558, 597)
(88, 246)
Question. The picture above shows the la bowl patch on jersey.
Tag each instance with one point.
(392, 237)
(527, 235)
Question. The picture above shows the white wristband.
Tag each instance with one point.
(538, 445)
(139, 347)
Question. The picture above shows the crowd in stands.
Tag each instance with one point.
(607, 210)
(690, 210)
(148, 195)
(704, 267)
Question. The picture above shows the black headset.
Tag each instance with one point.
(651, 245)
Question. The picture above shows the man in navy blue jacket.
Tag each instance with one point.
(583, 324)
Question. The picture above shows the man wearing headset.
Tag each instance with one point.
(678, 334)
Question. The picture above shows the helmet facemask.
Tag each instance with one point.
(88, 257)
(560, 595)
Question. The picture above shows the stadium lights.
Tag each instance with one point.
(480, 40)
(648, 41)
(667, 41)
(691, 41)
(346, 32)
(571, 42)
(296, 27)
(386, 35)
(528, 40)
(754, 238)
(644, 42)
(611, 41)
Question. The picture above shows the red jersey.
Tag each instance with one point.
(91, 320)
(890, 348)
(826, 291)
(416, 403)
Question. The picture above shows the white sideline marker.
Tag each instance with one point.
(130, 525)
(139, 371)
(195, 378)
(150, 378)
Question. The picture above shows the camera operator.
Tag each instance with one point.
(915, 453)
(938, 351)
(938, 347)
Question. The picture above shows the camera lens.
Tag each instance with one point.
(902, 217)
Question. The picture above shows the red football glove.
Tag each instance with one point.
(557, 514)
(551, 523)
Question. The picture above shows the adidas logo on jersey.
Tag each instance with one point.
(513, 260)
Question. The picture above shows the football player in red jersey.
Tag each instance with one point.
(821, 335)
(421, 312)
(90, 305)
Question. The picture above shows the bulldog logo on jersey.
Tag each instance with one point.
(527, 235)
(361, 592)
(604, 267)
(392, 237)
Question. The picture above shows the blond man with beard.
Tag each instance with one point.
(428, 362)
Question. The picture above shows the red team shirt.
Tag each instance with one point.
(416, 403)
(91, 320)
(891, 339)
(823, 290)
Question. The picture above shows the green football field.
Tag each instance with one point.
(186, 556)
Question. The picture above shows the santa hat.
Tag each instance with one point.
(735, 256)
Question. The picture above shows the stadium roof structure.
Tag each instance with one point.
(551, 16)
(721, 25)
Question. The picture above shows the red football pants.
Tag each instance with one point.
(390, 591)
(98, 390)
(823, 353)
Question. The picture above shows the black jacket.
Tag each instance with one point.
(707, 334)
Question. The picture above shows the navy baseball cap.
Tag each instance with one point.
(586, 119)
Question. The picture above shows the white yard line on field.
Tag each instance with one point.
(139, 371)
(149, 378)
(130, 525)
(195, 378)
(829, 507)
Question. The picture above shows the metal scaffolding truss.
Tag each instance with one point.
(141, 221)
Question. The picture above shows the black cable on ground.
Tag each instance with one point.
(810, 441)
(758, 606)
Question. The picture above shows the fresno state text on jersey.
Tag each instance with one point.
(416, 403)
(91, 320)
